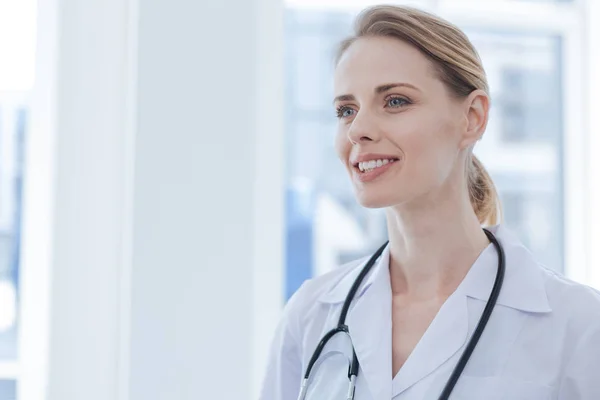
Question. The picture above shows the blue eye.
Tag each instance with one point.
(344, 112)
(396, 102)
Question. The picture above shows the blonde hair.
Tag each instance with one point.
(456, 63)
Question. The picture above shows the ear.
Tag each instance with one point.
(477, 106)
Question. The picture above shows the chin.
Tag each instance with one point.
(375, 200)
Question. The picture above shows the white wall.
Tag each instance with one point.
(154, 212)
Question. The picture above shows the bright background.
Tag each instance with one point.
(167, 183)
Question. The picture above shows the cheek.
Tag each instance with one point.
(342, 145)
(428, 149)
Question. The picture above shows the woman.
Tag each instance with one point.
(412, 100)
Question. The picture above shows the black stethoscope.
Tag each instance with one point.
(343, 328)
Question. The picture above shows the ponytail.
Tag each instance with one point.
(482, 193)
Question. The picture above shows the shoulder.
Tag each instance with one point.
(576, 323)
(564, 291)
(575, 303)
(570, 303)
(301, 314)
(308, 308)
(315, 289)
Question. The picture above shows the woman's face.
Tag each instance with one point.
(401, 136)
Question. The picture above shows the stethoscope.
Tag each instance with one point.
(343, 328)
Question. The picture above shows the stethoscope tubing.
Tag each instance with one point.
(342, 327)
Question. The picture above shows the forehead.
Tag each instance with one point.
(370, 62)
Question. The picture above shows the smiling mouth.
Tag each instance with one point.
(368, 166)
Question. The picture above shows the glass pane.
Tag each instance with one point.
(12, 127)
(17, 69)
(8, 390)
(522, 147)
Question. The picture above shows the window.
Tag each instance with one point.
(7, 389)
(17, 51)
(12, 130)
(524, 146)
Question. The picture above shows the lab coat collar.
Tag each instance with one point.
(370, 319)
(523, 287)
(373, 308)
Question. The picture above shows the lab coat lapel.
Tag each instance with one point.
(369, 323)
(370, 318)
(523, 289)
(446, 335)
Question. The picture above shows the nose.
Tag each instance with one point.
(363, 128)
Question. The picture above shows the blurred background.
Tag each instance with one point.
(523, 146)
(122, 191)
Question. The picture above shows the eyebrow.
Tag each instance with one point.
(378, 90)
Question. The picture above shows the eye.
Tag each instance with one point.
(344, 112)
(397, 102)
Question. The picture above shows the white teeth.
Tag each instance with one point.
(372, 164)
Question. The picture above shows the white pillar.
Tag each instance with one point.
(593, 131)
(208, 197)
(74, 202)
(153, 246)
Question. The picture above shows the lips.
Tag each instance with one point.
(369, 166)
(369, 175)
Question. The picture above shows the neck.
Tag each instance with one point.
(432, 247)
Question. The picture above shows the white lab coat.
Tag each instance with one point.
(542, 341)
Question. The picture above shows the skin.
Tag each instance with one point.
(435, 236)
